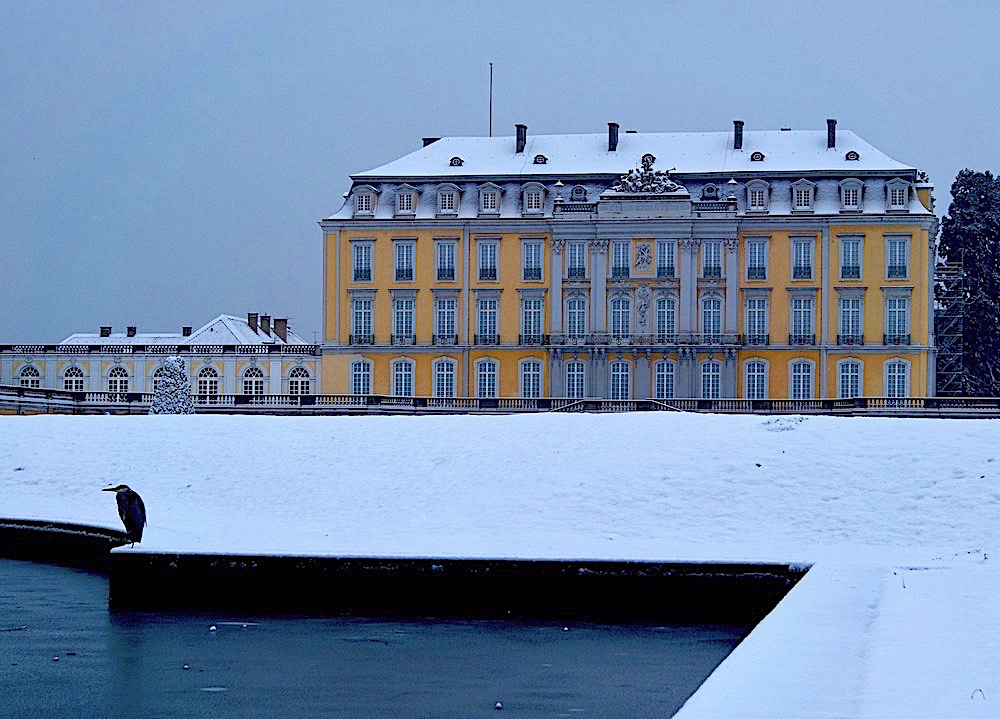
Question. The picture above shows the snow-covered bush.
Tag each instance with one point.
(173, 393)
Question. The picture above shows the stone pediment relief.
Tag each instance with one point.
(647, 181)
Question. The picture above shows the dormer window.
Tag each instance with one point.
(852, 156)
(489, 199)
(364, 201)
(447, 200)
(803, 194)
(758, 196)
(757, 157)
(710, 192)
(578, 194)
(456, 162)
(851, 191)
(897, 195)
(406, 200)
(533, 197)
(541, 159)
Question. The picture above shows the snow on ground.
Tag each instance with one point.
(875, 503)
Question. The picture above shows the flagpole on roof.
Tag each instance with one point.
(491, 99)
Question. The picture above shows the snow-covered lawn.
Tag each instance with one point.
(874, 503)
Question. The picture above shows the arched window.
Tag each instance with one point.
(620, 380)
(755, 380)
(621, 324)
(711, 380)
(576, 317)
(849, 384)
(444, 378)
(73, 379)
(402, 378)
(897, 379)
(30, 377)
(253, 381)
(117, 384)
(666, 319)
(208, 381)
(361, 377)
(486, 378)
(298, 381)
(711, 317)
(531, 379)
(575, 380)
(663, 381)
(802, 380)
(157, 378)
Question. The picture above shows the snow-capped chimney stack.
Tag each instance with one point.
(429, 140)
(612, 136)
(252, 321)
(737, 134)
(265, 324)
(130, 331)
(105, 331)
(186, 331)
(281, 328)
(522, 137)
(831, 134)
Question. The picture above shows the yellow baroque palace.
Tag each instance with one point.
(744, 264)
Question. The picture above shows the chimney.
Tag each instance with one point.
(105, 331)
(831, 134)
(252, 321)
(612, 136)
(737, 134)
(522, 137)
(265, 324)
(281, 328)
(130, 331)
(429, 140)
(186, 331)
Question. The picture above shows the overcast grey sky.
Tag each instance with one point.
(162, 163)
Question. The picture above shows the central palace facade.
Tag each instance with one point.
(743, 264)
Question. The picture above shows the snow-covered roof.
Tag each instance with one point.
(687, 152)
(223, 330)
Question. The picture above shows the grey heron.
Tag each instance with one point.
(131, 510)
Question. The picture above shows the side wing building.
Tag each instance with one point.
(750, 264)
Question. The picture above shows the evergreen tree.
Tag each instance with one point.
(971, 234)
(173, 393)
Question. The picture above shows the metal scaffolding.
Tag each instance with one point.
(949, 310)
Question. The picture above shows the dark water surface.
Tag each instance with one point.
(130, 664)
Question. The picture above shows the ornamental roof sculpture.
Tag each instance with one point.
(647, 180)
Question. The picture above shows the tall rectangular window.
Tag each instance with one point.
(362, 261)
(757, 321)
(663, 385)
(896, 380)
(361, 377)
(486, 379)
(711, 380)
(490, 201)
(402, 379)
(576, 317)
(897, 259)
(531, 321)
(620, 259)
(850, 258)
(758, 199)
(897, 197)
(488, 320)
(755, 383)
(851, 198)
(711, 317)
(802, 198)
(361, 323)
(446, 201)
(575, 376)
(402, 322)
(802, 380)
(444, 378)
(850, 321)
(757, 260)
(531, 255)
(666, 251)
(488, 260)
(445, 261)
(803, 324)
(711, 254)
(531, 379)
(444, 319)
(576, 260)
(404, 202)
(621, 320)
(802, 259)
(897, 312)
(533, 201)
(666, 319)
(403, 260)
(620, 380)
(850, 380)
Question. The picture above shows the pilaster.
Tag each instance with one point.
(274, 377)
(599, 287)
(555, 286)
(732, 286)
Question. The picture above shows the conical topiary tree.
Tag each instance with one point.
(173, 393)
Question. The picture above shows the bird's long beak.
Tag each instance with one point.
(108, 489)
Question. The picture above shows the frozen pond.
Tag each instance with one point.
(131, 664)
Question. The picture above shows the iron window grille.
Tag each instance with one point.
(802, 339)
